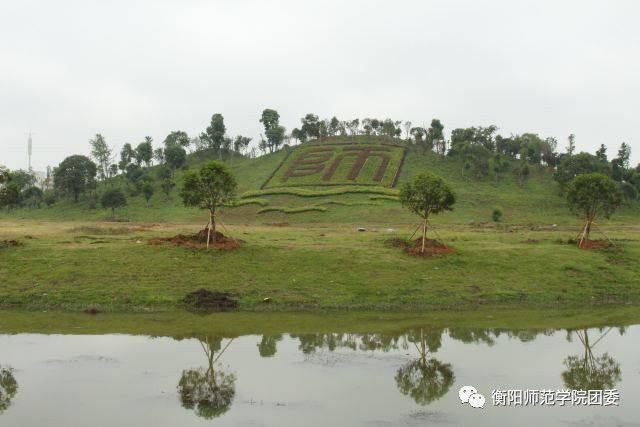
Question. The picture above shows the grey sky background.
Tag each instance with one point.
(126, 69)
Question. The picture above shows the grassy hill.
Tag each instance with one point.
(302, 248)
(537, 201)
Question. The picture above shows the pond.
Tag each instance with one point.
(391, 375)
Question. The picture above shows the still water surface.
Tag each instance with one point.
(410, 378)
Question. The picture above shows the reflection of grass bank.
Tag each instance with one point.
(71, 266)
(180, 323)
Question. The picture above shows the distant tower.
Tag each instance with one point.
(29, 149)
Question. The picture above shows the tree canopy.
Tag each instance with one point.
(74, 175)
(209, 188)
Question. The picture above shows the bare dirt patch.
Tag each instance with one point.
(597, 244)
(204, 300)
(4, 244)
(199, 240)
(432, 247)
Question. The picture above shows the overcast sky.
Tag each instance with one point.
(126, 69)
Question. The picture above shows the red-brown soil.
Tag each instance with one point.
(596, 244)
(9, 243)
(432, 247)
(199, 240)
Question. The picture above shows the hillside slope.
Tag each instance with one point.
(537, 201)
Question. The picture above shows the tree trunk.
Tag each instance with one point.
(585, 234)
(213, 225)
(209, 228)
(424, 234)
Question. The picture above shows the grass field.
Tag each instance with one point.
(76, 265)
(303, 251)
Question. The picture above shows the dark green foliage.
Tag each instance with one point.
(208, 392)
(425, 380)
(50, 197)
(144, 152)
(113, 199)
(9, 196)
(427, 194)
(8, 387)
(147, 188)
(581, 163)
(75, 175)
(23, 179)
(213, 136)
(213, 186)
(175, 156)
(32, 197)
(592, 195)
(496, 215)
(177, 137)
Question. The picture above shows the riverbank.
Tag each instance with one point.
(179, 323)
(111, 267)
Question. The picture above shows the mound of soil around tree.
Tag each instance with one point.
(204, 300)
(596, 244)
(199, 240)
(432, 247)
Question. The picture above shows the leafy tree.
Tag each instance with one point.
(592, 195)
(210, 188)
(269, 119)
(209, 391)
(310, 126)
(23, 179)
(178, 137)
(435, 137)
(112, 199)
(50, 197)
(241, 143)
(590, 372)
(581, 163)
(8, 387)
(620, 165)
(9, 195)
(499, 165)
(144, 152)
(275, 136)
(4, 174)
(601, 154)
(101, 152)
(427, 195)
(418, 134)
(496, 215)
(127, 154)
(353, 126)
(167, 185)
(571, 145)
(213, 136)
(147, 188)
(74, 175)
(32, 196)
(158, 155)
(523, 172)
(267, 347)
(298, 135)
(425, 379)
(175, 156)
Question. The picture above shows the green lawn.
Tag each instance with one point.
(73, 265)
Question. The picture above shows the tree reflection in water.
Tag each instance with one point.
(8, 387)
(208, 391)
(267, 347)
(587, 371)
(425, 379)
